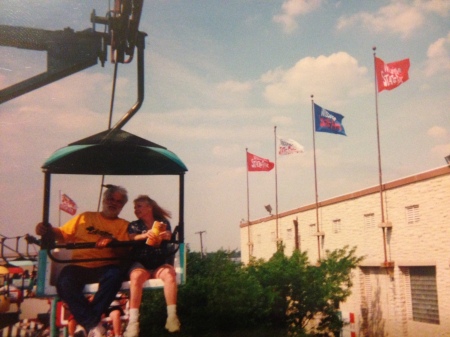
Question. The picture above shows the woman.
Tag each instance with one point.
(151, 261)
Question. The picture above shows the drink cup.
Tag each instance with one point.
(157, 228)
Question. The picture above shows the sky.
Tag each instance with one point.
(219, 76)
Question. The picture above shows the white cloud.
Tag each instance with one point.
(55, 115)
(438, 56)
(281, 120)
(203, 126)
(317, 76)
(397, 17)
(441, 150)
(235, 86)
(441, 134)
(440, 7)
(20, 64)
(437, 132)
(293, 8)
(226, 151)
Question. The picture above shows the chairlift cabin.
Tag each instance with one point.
(17, 276)
(111, 152)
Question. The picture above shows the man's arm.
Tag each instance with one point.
(42, 229)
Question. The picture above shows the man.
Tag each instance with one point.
(101, 228)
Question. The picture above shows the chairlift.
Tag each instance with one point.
(16, 282)
(111, 152)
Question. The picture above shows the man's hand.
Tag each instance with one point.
(41, 228)
(102, 242)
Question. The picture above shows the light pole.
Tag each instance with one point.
(201, 241)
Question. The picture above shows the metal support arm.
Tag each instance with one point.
(67, 53)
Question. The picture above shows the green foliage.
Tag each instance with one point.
(219, 294)
(276, 276)
(285, 293)
(153, 313)
(320, 289)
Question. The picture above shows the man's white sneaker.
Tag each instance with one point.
(173, 324)
(132, 330)
(98, 331)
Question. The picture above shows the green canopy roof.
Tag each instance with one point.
(114, 152)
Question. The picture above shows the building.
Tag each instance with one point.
(402, 288)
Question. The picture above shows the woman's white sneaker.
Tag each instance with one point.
(132, 330)
(173, 324)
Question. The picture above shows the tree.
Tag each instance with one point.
(303, 291)
(285, 293)
(219, 295)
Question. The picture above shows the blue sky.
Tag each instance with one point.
(219, 75)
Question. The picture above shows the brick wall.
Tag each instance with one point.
(353, 219)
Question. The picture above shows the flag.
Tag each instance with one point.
(288, 146)
(68, 205)
(391, 75)
(255, 163)
(328, 121)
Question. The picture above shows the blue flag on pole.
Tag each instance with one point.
(328, 121)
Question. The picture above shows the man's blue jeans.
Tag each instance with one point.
(70, 285)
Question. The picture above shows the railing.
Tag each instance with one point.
(13, 254)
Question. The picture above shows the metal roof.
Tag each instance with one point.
(114, 152)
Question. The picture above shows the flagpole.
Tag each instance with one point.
(248, 210)
(380, 175)
(276, 185)
(100, 195)
(315, 177)
(59, 210)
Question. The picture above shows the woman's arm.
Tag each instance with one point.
(138, 237)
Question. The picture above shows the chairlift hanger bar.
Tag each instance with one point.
(69, 52)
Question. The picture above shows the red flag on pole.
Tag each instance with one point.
(391, 75)
(255, 163)
(68, 205)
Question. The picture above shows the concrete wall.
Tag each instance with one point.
(354, 219)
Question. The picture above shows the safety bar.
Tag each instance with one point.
(113, 244)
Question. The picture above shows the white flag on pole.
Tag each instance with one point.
(289, 146)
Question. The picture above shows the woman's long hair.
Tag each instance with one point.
(158, 212)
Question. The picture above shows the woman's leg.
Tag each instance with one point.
(137, 278)
(138, 275)
(116, 322)
(168, 275)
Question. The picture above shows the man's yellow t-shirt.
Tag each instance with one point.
(89, 227)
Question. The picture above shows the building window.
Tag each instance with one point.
(250, 248)
(337, 226)
(424, 297)
(369, 220)
(289, 235)
(369, 276)
(412, 214)
(312, 229)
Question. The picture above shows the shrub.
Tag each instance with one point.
(284, 293)
(219, 295)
